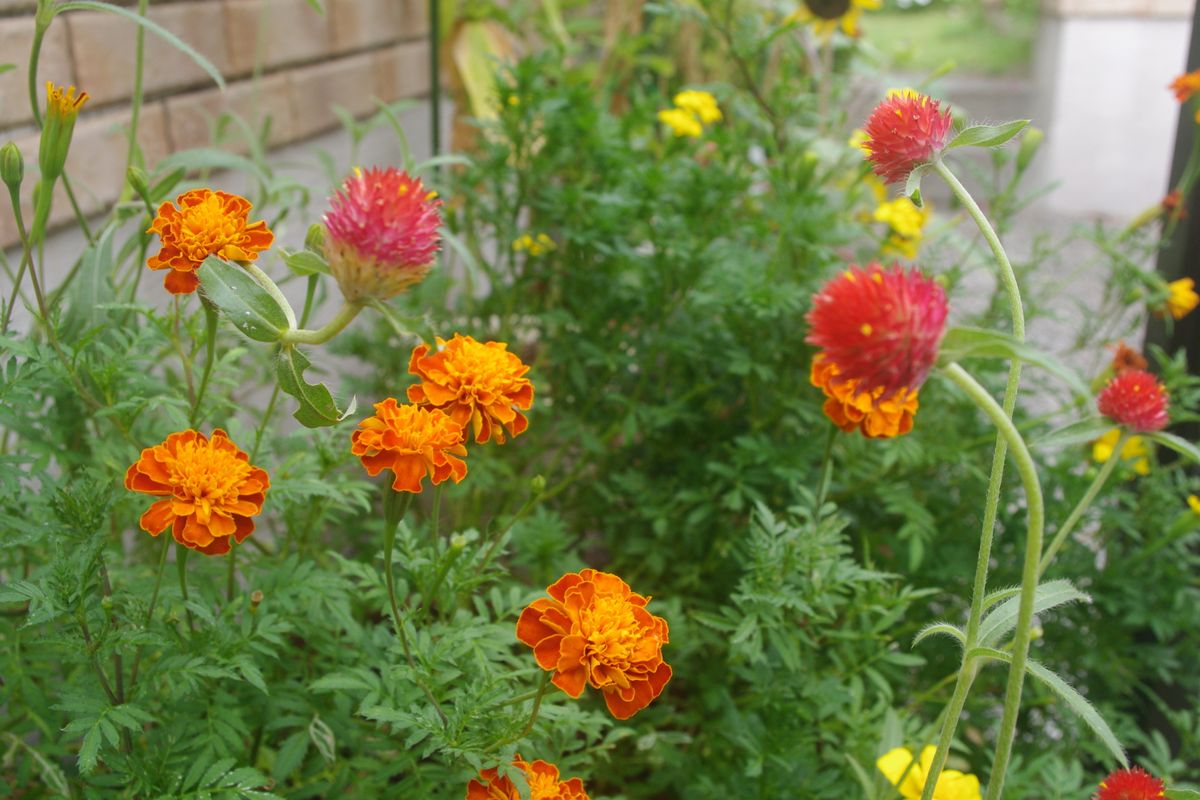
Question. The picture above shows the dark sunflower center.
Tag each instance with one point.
(828, 9)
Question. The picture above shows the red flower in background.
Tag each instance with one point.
(1136, 400)
(880, 327)
(904, 131)
(1130, 784)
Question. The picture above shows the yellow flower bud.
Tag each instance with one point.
(62, 107)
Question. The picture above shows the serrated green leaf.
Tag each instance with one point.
(305, 262)
(1176, 443)
(242, 300)
(317, 408)
(1047, 596)
(89, 751)
(987, 135)
(1082, 708)
(290, 756)
(964, 343)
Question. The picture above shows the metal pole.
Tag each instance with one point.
(435, 89)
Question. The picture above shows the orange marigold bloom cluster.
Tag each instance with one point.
(873, 415)
(593, 629)
(543, 784)
(206, 223)
(412, 442)
(1186, 85)
(1130, 784)
(210, 488)
(1126, 358)
(479, 383)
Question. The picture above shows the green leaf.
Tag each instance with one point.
(91, 289)
(305, 262)
(912, 186)
(242, 300)
(208, 158)
(290, 756)
(1078, 432)
(1176, 443)
(939, 629)
(1000, 594)
(153, 27)
(987, 135)
(6, 67)
(317, 408)
(1079, 704)
(963, 343)
(89, 752)
(1047, 596)
(1182, 794)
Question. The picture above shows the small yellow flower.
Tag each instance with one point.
(902, 770)
(907, 223)
(681, 122)
(858, 140)
(62, 107)
(1134, 448)
(1194, 503)
(702, 104)
(534, 245)
(1183, 298)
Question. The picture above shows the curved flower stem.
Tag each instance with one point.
(517, 517)
(967, 671)
(1029, 573)
(264, 280)
(344, 316)
(395, 506)
(537, 705)
(210, 356)
(826, 472)
(181, 565)
(1060, 537)
(231, 576)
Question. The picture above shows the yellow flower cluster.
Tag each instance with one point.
(1183, 298)
(904, 771)
(1134, 448)
(907, 223)
(693, 110)
(534, 245)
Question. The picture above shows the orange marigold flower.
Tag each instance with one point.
(1136, 400)
(868, 412)
(483, 384)
(211, 490)
(206, 223)
(412, 442)
(593, 629)
(881, 327)
(543, 784)
(1130, 784)
(904, 131)
(382, 233)
(1126, 358)
(1186, 85)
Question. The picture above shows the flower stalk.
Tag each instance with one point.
(1060, 536)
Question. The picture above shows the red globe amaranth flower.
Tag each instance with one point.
(880, 327)
(1136, 400)
(381, 233)
(1130, 784)
(904, 131)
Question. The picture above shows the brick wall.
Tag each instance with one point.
(357, 52)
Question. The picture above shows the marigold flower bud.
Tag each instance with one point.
(1136, 400)
(381, 233)
(62, 107)
(12, 166)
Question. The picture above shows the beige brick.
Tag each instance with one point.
(104, 49)
(358, 24)
(95, 164)
(402, 71)
(16, 39)
(190, 117)
(414, 18)
(347, 82)
(292, 32)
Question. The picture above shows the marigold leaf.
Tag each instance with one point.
(987, 135)
(1176, 443)
(89, 751)
(317, 408)
(242, 300)
(1047, 596)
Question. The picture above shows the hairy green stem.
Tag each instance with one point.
(1060, 537)
(139, 60)
(1029, 573)
(967, 671)
(344, 316)
(264, 280)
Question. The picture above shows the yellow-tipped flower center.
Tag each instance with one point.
(62, 101)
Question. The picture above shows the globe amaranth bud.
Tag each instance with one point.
(381, 234)
(62, 107)
(12, 166)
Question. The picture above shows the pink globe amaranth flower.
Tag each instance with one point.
(1130, 784)
(1136, 400)
(880, 326)
(904, 131)
(381, 233)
